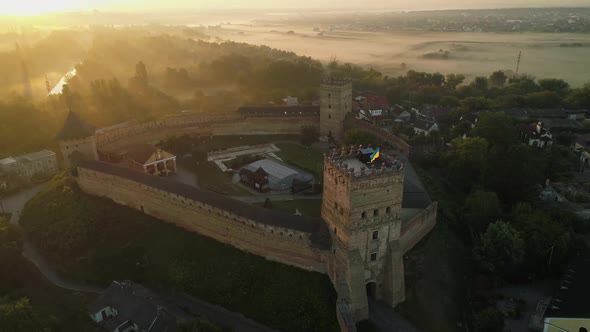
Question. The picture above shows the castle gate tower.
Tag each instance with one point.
(76, 136)
(362, 206)
(335, 103)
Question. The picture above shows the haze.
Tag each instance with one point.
(33, 7)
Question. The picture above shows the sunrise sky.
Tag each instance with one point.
(33, 7)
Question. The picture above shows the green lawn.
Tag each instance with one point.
(303, 157)
(307, 207)
(95, 240)
(209, 175)
(225, 142)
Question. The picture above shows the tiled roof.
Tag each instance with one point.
(141, 153)
(320, 235)
(422, 124)
(75, 128)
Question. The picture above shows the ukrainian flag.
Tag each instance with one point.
(375, 155)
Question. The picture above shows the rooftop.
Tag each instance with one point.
(141, 153)
(75, 128)
(7, 161)
(134, 303)
(320, 236)
(571, 299)
(423, 124)
(38, 155)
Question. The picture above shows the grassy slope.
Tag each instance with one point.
(95, 240)
(56, 308)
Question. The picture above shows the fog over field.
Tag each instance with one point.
(471, 53)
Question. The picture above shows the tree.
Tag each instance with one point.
(543, 99)
(19, 316)
(556, 85)
(360, 136)
(481, 209)
(309, 135)
(547, 241)
(471, 104)
(141, 73)
(461, 128)
(500, 246)
(498, 79)
(488, 320)
(465, 160)
(480, 83)
(496, 128)
(454, 80)
(513, 171)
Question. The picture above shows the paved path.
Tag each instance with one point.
(388, 319)
(14, 204)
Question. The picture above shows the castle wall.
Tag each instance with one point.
(284, 245)
(388, 137)
(86, 145)
(201, 126)
(416, 228)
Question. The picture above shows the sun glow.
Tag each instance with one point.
(37, 7)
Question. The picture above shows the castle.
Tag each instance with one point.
(371, 215)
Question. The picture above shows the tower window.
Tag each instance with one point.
(329, 95)
(329, 116)
(364, 215)
(335, 230)
(341, 210)
(329, 105)
(373, 257)
(388, 210)
(335, 205)
(375, 235)
(376, 213)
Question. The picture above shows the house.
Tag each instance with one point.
(257, 180)
(577, 114)
(536, 135)
(150, 159)
(126, 306)
(424, 127)
(42, 163)
(581, 146)
(400, 114)
(568, 309)
(9, 165)
(291, 101)
(472, 118)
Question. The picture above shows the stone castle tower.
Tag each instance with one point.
(362, 207)
(77, 136)
(335, 103)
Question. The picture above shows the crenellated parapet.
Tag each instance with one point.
(338, 160)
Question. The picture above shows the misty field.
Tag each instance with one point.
(564, 56)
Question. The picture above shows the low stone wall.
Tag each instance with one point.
(285, 245)
(416, 228)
